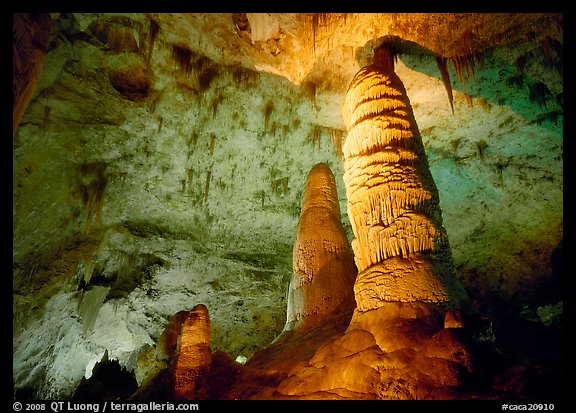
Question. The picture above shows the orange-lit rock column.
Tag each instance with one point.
(193, 356)
(323, 265)
(401, 249)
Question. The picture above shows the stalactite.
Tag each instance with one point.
(92, 190)
(191, 143)
(46, 120)
(216, 100)
(553, 53)
(212, 142)
(540, 94)
(121, 39)
(279, 186)
(310, 87)
(244, 76)
(183, 57)
(461, 64)
(446, 79)
(481, 145)
(337, 136)
(131, 84)
(89, 265)
(117, 33)
(90, 304)
(31, 35)
(315, 135)
(316, 18)
(516, 80)
(152, 35)
(267, 111)
(206, 76)
(319, 20)
(207, 185)
(124, 263)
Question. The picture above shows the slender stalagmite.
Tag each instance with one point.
(323, 265)
(401, 249)
(193, 357)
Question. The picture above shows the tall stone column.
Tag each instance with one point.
(401, 248)
(323, 267)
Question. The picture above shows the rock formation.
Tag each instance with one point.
(406, 337)
(402, 342)
(130, 106)
(178, 368)
(400, 246)
(194, 355)
(321, 291)
(323, 267)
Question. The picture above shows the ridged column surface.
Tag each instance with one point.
(323, 266)
(401, 249)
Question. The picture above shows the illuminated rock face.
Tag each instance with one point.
(194, 357)
(323, 266)
(321, 291)
(399, 344)
(501, 206)
(400, 246)
(399, 351)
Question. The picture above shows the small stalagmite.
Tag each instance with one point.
(401, 248)
(323, 266)
(193, 356)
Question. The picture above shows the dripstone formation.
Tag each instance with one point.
(194, 356)
(406, 338)
(400, 246)
(160, 161)
(329, 348)
(396, 329)
(323, 265)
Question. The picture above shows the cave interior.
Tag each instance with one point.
(161, 166)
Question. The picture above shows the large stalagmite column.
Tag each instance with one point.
(400, 246)
(323, 265)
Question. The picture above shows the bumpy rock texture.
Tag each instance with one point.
(323, 264)
(193, 356)
(399, 343)
(159, 162)
(394, 350)
(400, 245)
